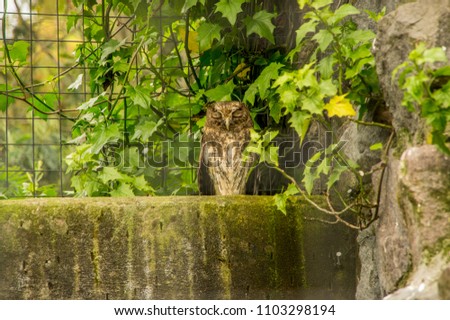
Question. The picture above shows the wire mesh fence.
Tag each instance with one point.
(33, 144)
(59, 60)
(42, 88)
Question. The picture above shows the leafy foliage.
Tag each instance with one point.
(339, 76)
(23, 184)
(140, 115)
(150, 76)
(427, 87)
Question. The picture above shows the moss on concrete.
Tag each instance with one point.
(236, 247)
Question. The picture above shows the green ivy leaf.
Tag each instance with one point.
(19, 51)
(207, 33)
(433, 55)
(110, 47)
(317, 4)
(280, 201)
(360, 36)
(360, 53)
(230, 9)
(285, 77)
(190, 3)
(312, 103)
(275, 110)
(222, 92)
(342, 12)
(46, 103)
(310, 175)
(110, 174)
(358, 66)
(263, 82)
(325, 66)
(291, 190)
(442, 96)
(335, 175)
(90, 103)
(324, 166)
(146, 129)
(418, 51)
(304, 29)
(250, 94)
(376, 146)
(439, 139)
(269, 136)
(102, 136)
(414, 86)
(300, 121)
(261, 24)
(141, 184)
(5, 98)
(376, 16)
(140, 96)
(302, 3)
(270, 155)
(308, 179)
(328, 88)
(306, 77)
(281, 198)
(124, 190)
(72, 21)
(323, 39)
(288, 96)
(442, 72)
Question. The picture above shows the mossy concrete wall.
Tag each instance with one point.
(171, 248)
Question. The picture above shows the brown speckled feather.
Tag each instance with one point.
(225, 136)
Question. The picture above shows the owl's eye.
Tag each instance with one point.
(238, 114)
(216, 115)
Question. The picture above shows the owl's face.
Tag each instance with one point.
(228, 116)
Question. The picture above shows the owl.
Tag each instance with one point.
(222, 168)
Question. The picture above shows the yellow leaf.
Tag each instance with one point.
(244, 70)
(429, 138)
(340, 106)
(192, 39)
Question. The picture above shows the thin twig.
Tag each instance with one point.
(333, 213)
(374, 124)
(180, 59)
(27, 89)
(321, 220)
(160, 77)
(188, 53)
(236, 72)
(380, 183)
(122, 87)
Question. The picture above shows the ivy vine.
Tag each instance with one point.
(151, 67)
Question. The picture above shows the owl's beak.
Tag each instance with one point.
(227, 123)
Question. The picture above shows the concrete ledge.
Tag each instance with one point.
(237, 247)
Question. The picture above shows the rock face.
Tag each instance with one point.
(392, 245)
(412, 237)
(171, 248)
(423, 21)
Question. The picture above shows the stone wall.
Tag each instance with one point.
(406, 254)
(171, 248)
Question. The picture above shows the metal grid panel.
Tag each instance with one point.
(33, 148)
(33, 144)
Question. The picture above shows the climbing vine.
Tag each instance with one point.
(149, 76)
(427, 86)
(338, 76)
(184, 61)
